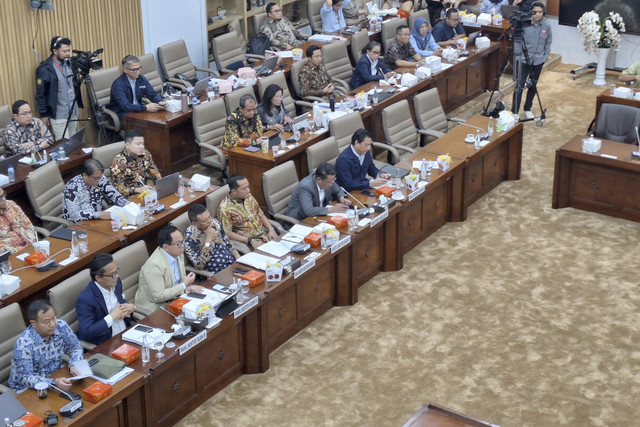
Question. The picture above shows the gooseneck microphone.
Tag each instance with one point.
(365, 209)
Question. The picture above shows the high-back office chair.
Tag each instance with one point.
(5, 118)
(63, 299)
(232, 100)
(234, 25)
(325, 151)
(44, 190)
(280, 80)
(102, 81)
(278, 184)
(174, 59)
(296, 68)
(212, 202)
(388, 32)
(358, 42)
(430, 116)
(208, 128)
(227, 50)
(150, 71)
(130, 260)
(338, 65)
(257, 20)
(315, 19)
(618, 122)
(12, 326)
(105, 154)
(424, 13)
(399, 130)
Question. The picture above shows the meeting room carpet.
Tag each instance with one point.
(522, 315)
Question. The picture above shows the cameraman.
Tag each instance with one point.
(531, 57)
(55, 91)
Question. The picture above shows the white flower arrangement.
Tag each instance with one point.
(601, 34)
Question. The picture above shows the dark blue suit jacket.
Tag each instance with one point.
(349, 173)
(122, 95)
(442, 32)
(91, 310)
(362, 73)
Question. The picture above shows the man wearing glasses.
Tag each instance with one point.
(16, 230)
(102, 310)
(163, 277)
(83, 194)
(132, 92)
(400, 53)
(314, 193)
(282, 34)
(448, 31)
(25, 133)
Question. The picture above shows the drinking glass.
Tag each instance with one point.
(240, 294)
(83, 243)
(181, 192)
(146, 212)
(158, 345)
(244, 288)
(192, 188)
(612, 88)
(6, 267)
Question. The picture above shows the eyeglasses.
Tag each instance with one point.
(405, 34)
(276, 11)
(135, 70)
(250, 109)
(178, 244)
(112, 275)
(454, 20)
(26, 113)
(375, 52)
(329, 182)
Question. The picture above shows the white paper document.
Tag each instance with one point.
(276, 249)
(83, 368)
(257, 261)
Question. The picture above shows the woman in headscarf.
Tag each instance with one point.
(421, 39)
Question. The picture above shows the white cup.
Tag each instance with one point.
(42, 246)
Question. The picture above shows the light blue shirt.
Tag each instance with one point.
(331, 22)
(175, 268)
(359, 156)
(432, 45)
(133, 88)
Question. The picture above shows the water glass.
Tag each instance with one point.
(244, 288)
(6, 267)
(191, 186)
(83, 243)
(115, 226)
(275, 149)
(612, 88)
(158, 345)
(296, 135)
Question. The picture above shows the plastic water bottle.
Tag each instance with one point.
(194, 101)
(184, 102)
(442, 13)
(33, 155)
(75, 248)
(477, 141)
(12, 173)
(342, 105)
(316, 109)
(146, 345)
(490, 126)
(216, 89)
(423, 170)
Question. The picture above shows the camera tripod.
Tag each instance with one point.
(98, 110)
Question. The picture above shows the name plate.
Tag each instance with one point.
(305, 267)
(193, 342)
(341, 244)
(245, 307)
(377, 220)
(416, 193)
(472, 24)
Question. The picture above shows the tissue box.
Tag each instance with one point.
(623, 92)
(31, 420)
(175, 307)
(384, 191)
(273, 273)
(200, 182)
(412, 181)
(246, 73)
(126, 353)
(173, 105)
(444, 162)
(461, 43)
(484, 19)
(254, 277)
(497, 20)
(450, 54)
(423, 72)
(591, 145)
(433, 62)
(331, 235)
(483, 42)
(408, 80)
(505, 122)
(132, 214)
(34, 259)
(340, 222)
(225, 86)
(195, 309)
(151, 198)
(468, 18)
(97, 391)
(313, 239)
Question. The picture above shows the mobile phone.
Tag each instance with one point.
(240, 270)
(196, 295)
(220, 288)
(143, 328)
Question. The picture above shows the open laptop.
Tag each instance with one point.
(274, 139)
(472, 38)
(13, 160)
(201, 86)
(299, 123)
(508, 10)
(395, 172)
(267, 66)
(10, 407)
(167, 185)
(74, 142)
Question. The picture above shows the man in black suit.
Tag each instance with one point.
(355, 163)
(315, 192)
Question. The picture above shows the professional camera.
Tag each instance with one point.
(521, 19)
(83, 61)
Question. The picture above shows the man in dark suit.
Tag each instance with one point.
(315, 192)
(355, 163)
(102, 310)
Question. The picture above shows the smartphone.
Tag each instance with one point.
(143, 328)
(93, 361)
(196, 295)
(240, 270)
(220, 288)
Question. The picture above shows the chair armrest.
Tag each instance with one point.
(312, 99)
(178, 84)
(142, 311)
(240, 247)
(4, 389)
(286, 218)
(395, 156)
(138, 316)
(208, 70)
(227, 70)
(303, 103)
(215, 149)
(252, 57)
(455, 119)
(87, 345)
(344, 86)
(55, 219)
(42, 231)
(404, 148)
(429, 132)
(113, 117)
(199, 272)
(278, 227)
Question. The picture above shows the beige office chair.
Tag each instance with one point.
(315, 19)
(150, 71)
(296, 68)
(399, 130)
(325, 151)
(102, 81)
(336, 61)
(181, 223)
(424, 13)
(228, 50)
(430, 116)
(618, 122)
(358, 42)
(105, 154)
(5, 118)
(130, 260)
(257, 20)
(388, 32)
(280, 80)
(63, 299)
(232, 100)
(44, 190)
(234, 25)
(278, 184)
(12, 326)
(174, 59)
(212, 202)
(208, 128)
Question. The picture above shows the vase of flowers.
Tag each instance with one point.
(599, 36)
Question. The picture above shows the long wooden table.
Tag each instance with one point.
(591, 182)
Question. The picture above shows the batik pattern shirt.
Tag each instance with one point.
(238, 126)
(16, 230)
(242, 217)
(313, 80)
(34, 358)
(14, 135)
(216, 257)
(282, 33)
(81, 203)
(127, 171)
(397, 51)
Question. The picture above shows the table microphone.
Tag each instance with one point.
(361, 212)
(66, 395)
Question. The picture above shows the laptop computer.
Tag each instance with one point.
(201, 86)
(394, 171)
(508, 10)
(13, 160)
(167, 185)
(472, 38)
(274, 139)
(267, 66)
(74, 142)
(299, 123)
(10, 407)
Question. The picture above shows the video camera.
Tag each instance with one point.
(83, 61)
(521, 19)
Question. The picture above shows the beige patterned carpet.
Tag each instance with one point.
(521, 315)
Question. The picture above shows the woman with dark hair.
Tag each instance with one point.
(271, 110)
(421, 39)
(369, 68)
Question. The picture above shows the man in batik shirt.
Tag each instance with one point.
(205, 244)
(16, 230)
(83, 194)
(314, 79)
(241, 216)
(244, 122)
(282, 34)
(134, 166)
(24, 132)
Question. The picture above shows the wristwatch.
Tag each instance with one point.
(207, 245)
(249, 242)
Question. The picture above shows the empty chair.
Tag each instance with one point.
(424, 13)
(228, 53)
(44, 190)
(150, 71)
(388, 32)
(278, 184)
(234, 25)
(208, 128)
(102, 81)
(325, 151)
(358, 42)
(232, 100)
(105, 155)
(12, 326)
(399, 130)
(174, 59)
(313, 12)
(618, 122)
(430, 116)
(280, 80)
(336, 61)
(130, 260)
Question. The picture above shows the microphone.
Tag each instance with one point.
(183, 78)
(365, 210)
(67, 395)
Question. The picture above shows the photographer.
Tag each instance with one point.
(531, 50)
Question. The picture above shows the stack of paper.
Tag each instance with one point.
(257, 261)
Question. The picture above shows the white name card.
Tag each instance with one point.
(305, 267)
(193, 342)
(377, 220)
(341, 244)
(245, 307)
(416, 193)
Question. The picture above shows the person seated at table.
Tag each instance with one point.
(354, 11)
(448, 31)
(163, 277)
(241, 217)
(493, 6)
(271, 110)
(630, 74)
(101, 308)
(83, 194)
(405, 5)
(39, 349)
(281, 32)
(242, 123)
(437, 8)
(355, 163)
(332, 16)
(24, 132)
(399, 52)
(206, 245)
(132, 92)
(314, 193)
(314, 79)
(16, 229)
(422, 40)
(133, 166)
(370, 68)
